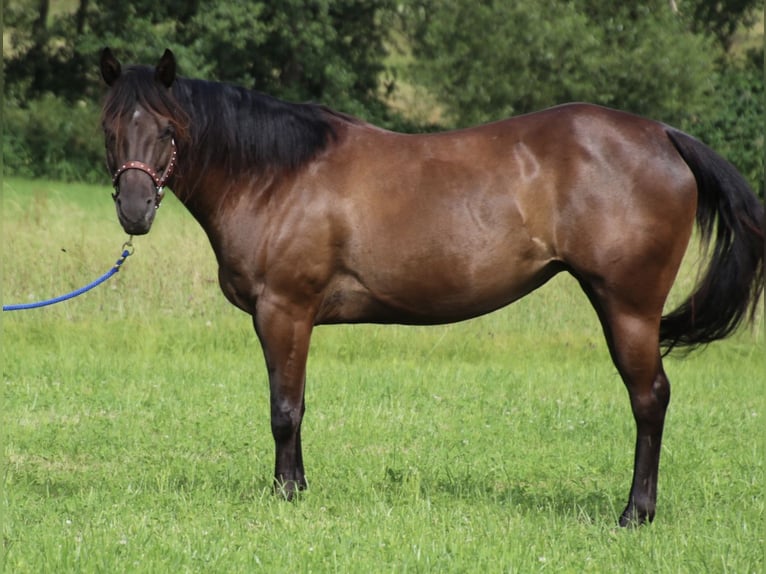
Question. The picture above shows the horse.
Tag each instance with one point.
(317, 217)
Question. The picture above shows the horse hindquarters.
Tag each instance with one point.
(626, 258)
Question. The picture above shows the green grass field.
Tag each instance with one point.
(136, 432)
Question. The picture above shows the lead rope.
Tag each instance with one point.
(127, 251)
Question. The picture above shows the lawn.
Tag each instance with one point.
(136, 434)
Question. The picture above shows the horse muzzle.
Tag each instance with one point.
(135, 219)
(136, 204)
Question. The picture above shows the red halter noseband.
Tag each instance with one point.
(159, 181)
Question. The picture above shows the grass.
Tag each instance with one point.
(137, 435)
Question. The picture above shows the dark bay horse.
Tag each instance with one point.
(317, 217)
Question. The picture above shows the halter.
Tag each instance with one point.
(159, 180)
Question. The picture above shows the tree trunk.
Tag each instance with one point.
(40, 25)
(82, 12)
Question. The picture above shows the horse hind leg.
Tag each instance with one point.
(633, 339)
(649, 392)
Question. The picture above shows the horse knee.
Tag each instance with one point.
(661, 390)
(650, 404)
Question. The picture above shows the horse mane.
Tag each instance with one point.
(226, 125)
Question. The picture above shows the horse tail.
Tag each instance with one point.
(730, 217)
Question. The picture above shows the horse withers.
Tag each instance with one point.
(317, 217)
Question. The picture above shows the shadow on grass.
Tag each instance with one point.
(567, 498)
(579, 498)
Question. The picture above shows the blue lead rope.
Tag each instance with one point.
(126, 252)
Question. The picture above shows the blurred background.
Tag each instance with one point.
(408, 65)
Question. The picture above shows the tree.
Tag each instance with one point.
(60, 57)
(495, 58)
(328, 50)
(733, 123)
(720, 18)
(323, 50)
(486, 60)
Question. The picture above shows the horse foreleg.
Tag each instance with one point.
(284, 333)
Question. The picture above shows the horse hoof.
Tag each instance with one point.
(631, 518)
(289, 489)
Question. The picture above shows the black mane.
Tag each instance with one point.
(226, 125)
(243, 129)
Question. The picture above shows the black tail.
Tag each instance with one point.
(729, 212)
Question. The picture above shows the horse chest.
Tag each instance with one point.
(238, 288)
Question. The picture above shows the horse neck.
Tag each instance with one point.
(214, 196)
(216, 177)
(209, 192)
(206, 188)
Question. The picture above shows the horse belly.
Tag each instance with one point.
(433, 292)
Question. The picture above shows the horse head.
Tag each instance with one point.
(140, 122)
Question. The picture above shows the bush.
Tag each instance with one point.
(733, 122)
(52, 139)
(486, 61)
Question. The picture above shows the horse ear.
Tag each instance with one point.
(165, 72)
(110, 67)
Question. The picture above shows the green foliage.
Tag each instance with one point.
(54, 139)
(735, 120)
(492, 59)
(320, 50)
(653, 65)
(722, 17)
(328, 50)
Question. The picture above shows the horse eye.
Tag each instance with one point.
(166, 133)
